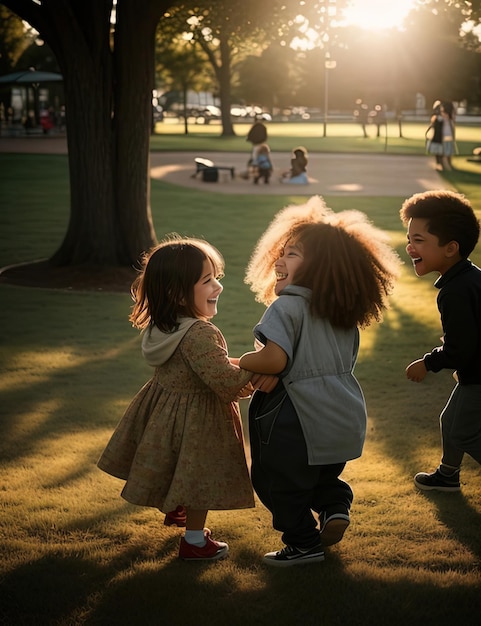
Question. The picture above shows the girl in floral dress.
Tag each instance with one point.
(179, 446)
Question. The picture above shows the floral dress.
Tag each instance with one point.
(180, 441)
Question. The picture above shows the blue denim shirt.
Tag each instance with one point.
(318, 377)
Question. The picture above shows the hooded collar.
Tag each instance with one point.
(158, 346)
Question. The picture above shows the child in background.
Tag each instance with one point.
(297, 175)
(442, 232)
(262, 164)
(322, 275)
(179, 446)
(256, 136)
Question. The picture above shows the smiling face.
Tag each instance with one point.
(286, 265)
(206, 292)
(426, 253)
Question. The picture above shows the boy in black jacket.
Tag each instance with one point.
(442, 233)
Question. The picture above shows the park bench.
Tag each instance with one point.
(476, 158)
(209, 170)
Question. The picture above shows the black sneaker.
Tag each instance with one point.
(333, 528)
(437, 481)
(290, 555)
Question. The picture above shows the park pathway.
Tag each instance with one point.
(329, 174)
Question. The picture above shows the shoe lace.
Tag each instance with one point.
(288, 551)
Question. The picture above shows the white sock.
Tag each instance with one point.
(195, 537)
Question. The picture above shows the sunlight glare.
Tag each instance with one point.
(377, 14)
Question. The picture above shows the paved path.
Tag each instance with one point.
(329, 174)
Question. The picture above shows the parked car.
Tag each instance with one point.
(202, 114)
(249, 113)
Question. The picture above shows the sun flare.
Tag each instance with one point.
(377, 14)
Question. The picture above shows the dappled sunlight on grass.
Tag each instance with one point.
(41, 365)
(60, 511)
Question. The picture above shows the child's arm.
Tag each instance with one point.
(264, 382)
(271, 359)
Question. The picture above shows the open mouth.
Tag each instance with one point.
(417, 260)
(281, 276)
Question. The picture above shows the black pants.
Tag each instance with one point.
(283, 479)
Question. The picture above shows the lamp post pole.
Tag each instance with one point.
(328, 65)
(328, 14)
(326, 91)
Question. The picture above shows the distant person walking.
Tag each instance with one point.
(361, 115)
(440, 135)
(449, 141)
(434, 135)
(379, 118)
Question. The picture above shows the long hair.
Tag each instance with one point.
(348, 263)
(164, 289)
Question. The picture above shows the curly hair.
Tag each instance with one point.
(450, 217)
(348, 264)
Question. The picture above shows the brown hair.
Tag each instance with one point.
(164, 289)
(348, 264)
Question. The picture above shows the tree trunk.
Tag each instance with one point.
(135, 62)
(224, 79)
(222, 71)
(108, 83)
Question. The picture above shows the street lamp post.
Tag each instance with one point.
(328, 14)
(329, 64)
(326, 94)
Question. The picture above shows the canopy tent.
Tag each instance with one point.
(30, 79)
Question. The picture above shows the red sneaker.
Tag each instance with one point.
(176, 518)
(212, 551)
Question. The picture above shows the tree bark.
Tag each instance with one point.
(222, 69)
(224, 79)
(108, 74)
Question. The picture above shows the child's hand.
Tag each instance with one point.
(416, 371)
(264, 382)
(246, 392)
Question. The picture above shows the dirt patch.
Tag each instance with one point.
(79, 278)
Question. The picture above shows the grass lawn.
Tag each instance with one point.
(345, 137)
(73, 552)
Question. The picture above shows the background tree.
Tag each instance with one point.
(105, 52)
(12, 43)
(228, 31)
(181, 67)
(269, 79)
(13, 40)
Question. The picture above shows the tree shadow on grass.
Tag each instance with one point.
(75, 590)
(463, 521)
(403, 440)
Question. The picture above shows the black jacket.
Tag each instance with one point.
(459, 303)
